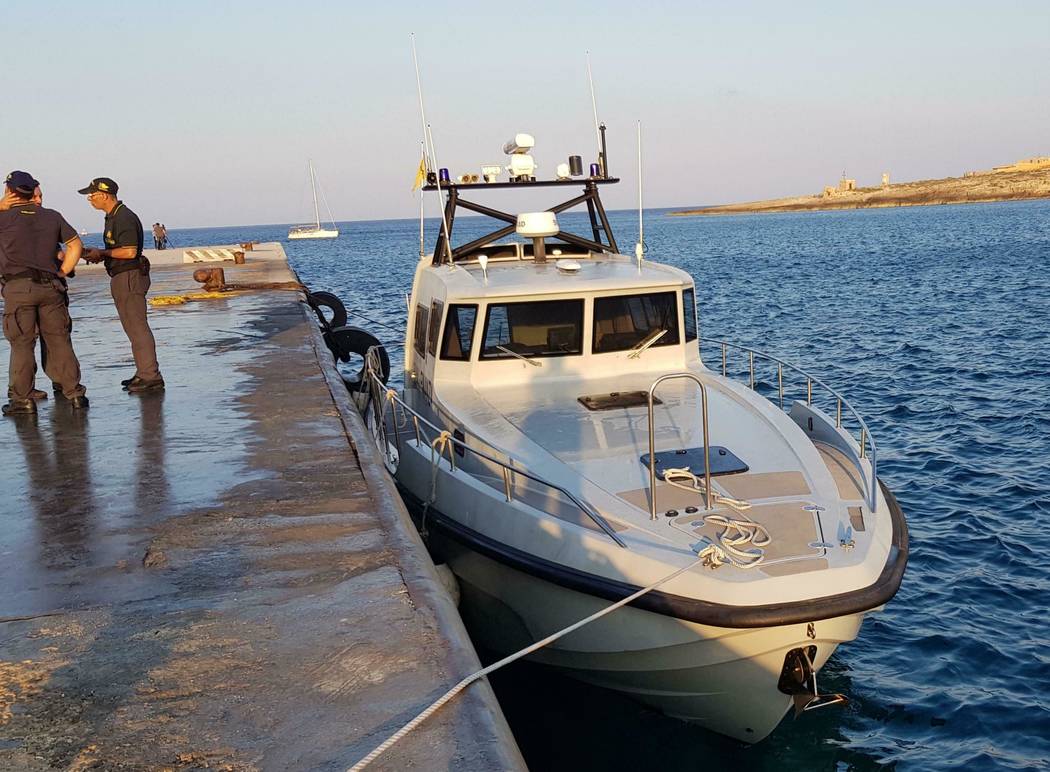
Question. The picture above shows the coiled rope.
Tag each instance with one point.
(736, 532)
(436, 705)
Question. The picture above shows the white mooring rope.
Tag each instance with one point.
(434, 706)
(736, 532)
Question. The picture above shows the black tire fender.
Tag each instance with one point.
(346, 341)
(322, 300)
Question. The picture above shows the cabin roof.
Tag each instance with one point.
(524, 277)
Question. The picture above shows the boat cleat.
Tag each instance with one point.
(798, 678)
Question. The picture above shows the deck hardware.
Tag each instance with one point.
(671, 513)
(507, 483)
(811, 631)
(821, 545)
(780, 383)
(798, 678)
(652, 440)
(691, 510)
(814, 508)
(869, 474)
(415, 422)
(847, 544)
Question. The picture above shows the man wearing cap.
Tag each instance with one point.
(34, 293)
(129, 280)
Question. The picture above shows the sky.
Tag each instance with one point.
(205, 113)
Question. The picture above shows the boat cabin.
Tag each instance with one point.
(507, 317)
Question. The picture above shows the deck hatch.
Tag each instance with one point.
(723, 461)
(615, 399)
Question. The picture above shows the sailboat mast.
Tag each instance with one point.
(313, 189)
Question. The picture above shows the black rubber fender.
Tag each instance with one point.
(322, 300)
(346, 341)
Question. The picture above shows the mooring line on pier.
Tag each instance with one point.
(463, 684)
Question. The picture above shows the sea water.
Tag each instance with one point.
(934, 322)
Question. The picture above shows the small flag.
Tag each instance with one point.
(421, 173)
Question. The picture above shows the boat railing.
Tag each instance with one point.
(382, 396)
(866, 442)
(652, 440)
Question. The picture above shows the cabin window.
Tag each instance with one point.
(622, 322)
(689, 314)
(420, 337)
(459, 333)
(547, 328)
(435, 324)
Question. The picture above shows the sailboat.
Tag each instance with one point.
(314, 230)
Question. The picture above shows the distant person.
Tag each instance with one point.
(158, 236)
(34, 291)
(163, 236)
(129, 280)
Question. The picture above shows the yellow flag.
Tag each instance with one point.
(421, 173)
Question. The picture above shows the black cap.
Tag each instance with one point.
(23, 182)
(100, 185)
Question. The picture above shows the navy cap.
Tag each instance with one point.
(100, 185)
(23, 182)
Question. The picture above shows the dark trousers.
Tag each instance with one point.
(129, 290)
(31, 309)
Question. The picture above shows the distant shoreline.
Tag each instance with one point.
(975, 188)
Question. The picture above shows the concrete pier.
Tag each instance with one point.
(221, 575)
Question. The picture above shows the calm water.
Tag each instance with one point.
(934, 322)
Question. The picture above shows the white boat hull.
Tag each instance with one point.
(722, 679)
(323, 233)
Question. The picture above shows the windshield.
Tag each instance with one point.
(545, 328)
(624, 321)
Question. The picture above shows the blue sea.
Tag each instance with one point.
(933, 322)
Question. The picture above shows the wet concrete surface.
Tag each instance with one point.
(219, 576)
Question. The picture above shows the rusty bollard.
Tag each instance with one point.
(248, 246)
(213, 279)
(238, 257)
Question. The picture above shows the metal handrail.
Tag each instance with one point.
(378, 394)
(866, 437)
(652, 441)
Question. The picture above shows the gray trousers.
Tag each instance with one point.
(32, 309)
(129, 290)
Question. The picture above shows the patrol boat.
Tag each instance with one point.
(563, 444)
(314, 229)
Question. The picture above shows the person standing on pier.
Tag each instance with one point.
(157, 236)
(34, 291)
(129, 281)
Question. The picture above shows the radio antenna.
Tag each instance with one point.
(639, 248)
(428, 146)
(594, 109)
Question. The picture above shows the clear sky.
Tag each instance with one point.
(206, 112)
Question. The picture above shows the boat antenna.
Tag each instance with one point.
(594, 109)
(428, 145)
(639, 248)
(422, 243)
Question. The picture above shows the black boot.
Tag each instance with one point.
(138, 386)
(34, 394)
(19, 407)
(129, 381)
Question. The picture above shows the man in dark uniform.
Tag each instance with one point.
(129, 280)
(35, 293)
